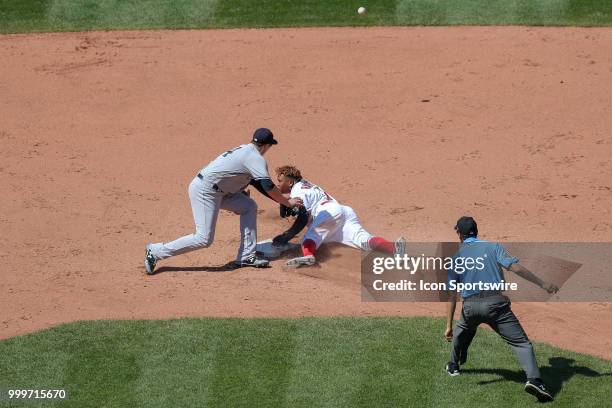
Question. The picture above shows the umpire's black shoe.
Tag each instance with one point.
(252, 261)
(536, 387)
(452, 369)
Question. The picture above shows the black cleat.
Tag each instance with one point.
(149, 261)
(536, 387)
(452, 369)
(252, 261)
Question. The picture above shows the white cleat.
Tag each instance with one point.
(307, 260)
(400, 246)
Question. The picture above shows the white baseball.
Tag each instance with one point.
(361, 10)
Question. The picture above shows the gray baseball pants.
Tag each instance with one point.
(205, 205)
(494, 311)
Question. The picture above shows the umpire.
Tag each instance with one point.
(490, 307)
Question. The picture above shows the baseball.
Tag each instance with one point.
(361, 10)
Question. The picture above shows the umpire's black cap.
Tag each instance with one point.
(467, 227)
(264, 136)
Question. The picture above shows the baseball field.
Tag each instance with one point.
(414, 113)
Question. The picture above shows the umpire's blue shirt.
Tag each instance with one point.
(489, 256)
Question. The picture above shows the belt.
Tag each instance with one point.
(214, 186)
(484, 295)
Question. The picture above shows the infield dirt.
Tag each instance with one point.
(102, 132)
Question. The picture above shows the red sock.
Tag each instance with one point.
(309, 247)
(382, 245)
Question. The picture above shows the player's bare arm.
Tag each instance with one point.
(266, 187)
(277, 196)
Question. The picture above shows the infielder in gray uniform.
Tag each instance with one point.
(492, 307)
(221, 184)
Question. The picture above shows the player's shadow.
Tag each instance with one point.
(220, 268)
(559, 370)
(324, 253)
(288, 254)
(329, 251)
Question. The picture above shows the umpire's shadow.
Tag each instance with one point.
(559, 370)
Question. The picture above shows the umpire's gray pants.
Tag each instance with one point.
(495, 312)
(205, 205)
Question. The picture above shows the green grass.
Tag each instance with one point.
(508, 12)
(77, 15)
(332, 362)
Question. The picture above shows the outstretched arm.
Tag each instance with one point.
(277, 196)
(267, 188)
(525, 273)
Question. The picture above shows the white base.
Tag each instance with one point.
(268, 250)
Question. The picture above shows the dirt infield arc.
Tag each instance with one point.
(102, 132)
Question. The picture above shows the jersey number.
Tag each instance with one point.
(231, 151)
(328, 200)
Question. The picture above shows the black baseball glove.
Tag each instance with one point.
(289, 212)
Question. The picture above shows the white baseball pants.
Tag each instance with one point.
(337, 223)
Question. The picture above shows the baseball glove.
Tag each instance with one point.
(288, 212)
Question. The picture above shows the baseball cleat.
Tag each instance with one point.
(536, 387)
(252, 261)
(400, 246)
(149, 261)
(452, 369)
(307, 260)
